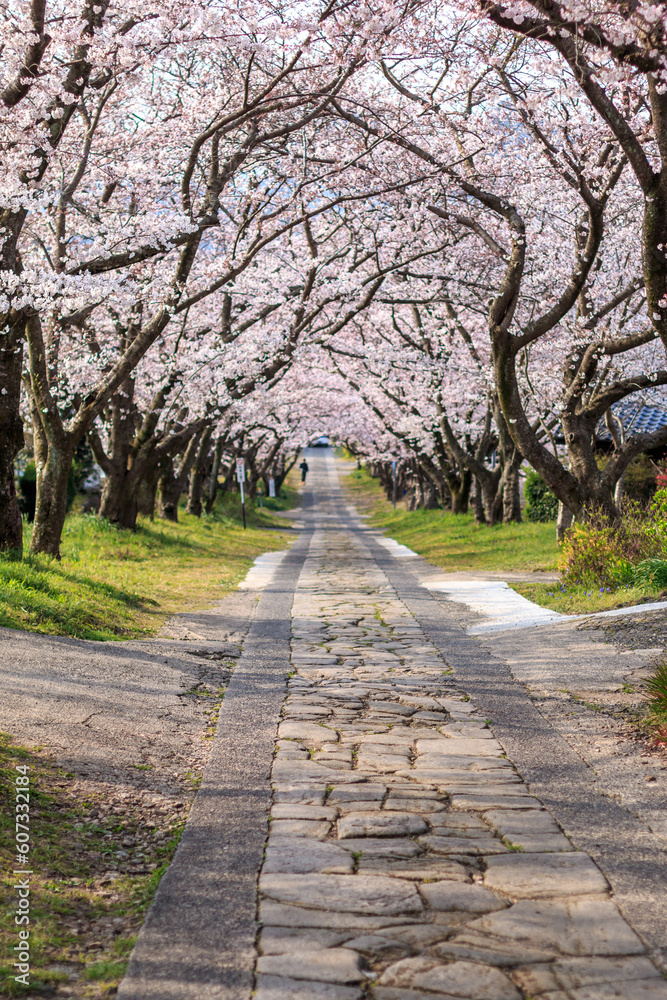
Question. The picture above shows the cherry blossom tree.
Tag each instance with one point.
(539, 197)
(213, 110)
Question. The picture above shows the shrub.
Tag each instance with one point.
(661, 479)
(657, 689)
(594, 557)
(640, 480)
(601, 554)
(658, 510)
(651, 573)
(541, 505)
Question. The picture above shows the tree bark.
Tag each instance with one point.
(172, 481)
(119, 503)
(476, 502)
(53, 466)
(461, 494)
(147, 493)
(11, 439)
(565, 519)
(198, 472)
(212, 492)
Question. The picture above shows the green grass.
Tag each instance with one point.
(582, 600)
(114, 584)
(454, 541)
(656, 686)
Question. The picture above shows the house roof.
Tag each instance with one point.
(637, 418)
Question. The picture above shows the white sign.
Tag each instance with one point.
(272, 487)
(240, 470)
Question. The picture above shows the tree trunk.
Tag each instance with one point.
(51, 508)
(565, 518)
(169, 492)
(212, 492)
(510, 490)
(461, 494)
(11, 439)
(476, 502)
(119, 501)
(147, 493)
(619, 490)
(172, 483)
(198, 474)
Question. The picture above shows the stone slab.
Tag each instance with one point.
(461, 979)
(646, 989)
(463, 845)
(295, 856)
(446, 895)
(308, 732)
(329, 965)
(381, 824)
(418, 869)
(484, 802)
(459, 746)
(283, 988)
(274, 914)
(282, 940)
(316, 829)
(539, 843)
(532, 821)
(363, 790)
(391, 993)
(574, 927)
(381, 847)
(541, 876)
(363, 894)
(418, 805)
(286, 810)
(571, 974)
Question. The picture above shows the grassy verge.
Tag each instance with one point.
(581, 601)
(115, 584)
(657, 690)
(454, 541)
(83, 918)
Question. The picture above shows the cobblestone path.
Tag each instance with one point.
(406, 858)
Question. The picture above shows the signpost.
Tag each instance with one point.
(240, 478)
(393, 473)
(272, 487)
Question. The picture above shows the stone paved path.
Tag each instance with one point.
(406, 857)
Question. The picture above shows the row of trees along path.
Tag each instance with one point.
(437, 230)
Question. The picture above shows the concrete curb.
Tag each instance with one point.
(198, 939)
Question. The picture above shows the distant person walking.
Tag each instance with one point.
(304, 470)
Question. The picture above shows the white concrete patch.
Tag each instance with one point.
(502, 607)
(506, 610)
(397, 550)
(261, 572)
